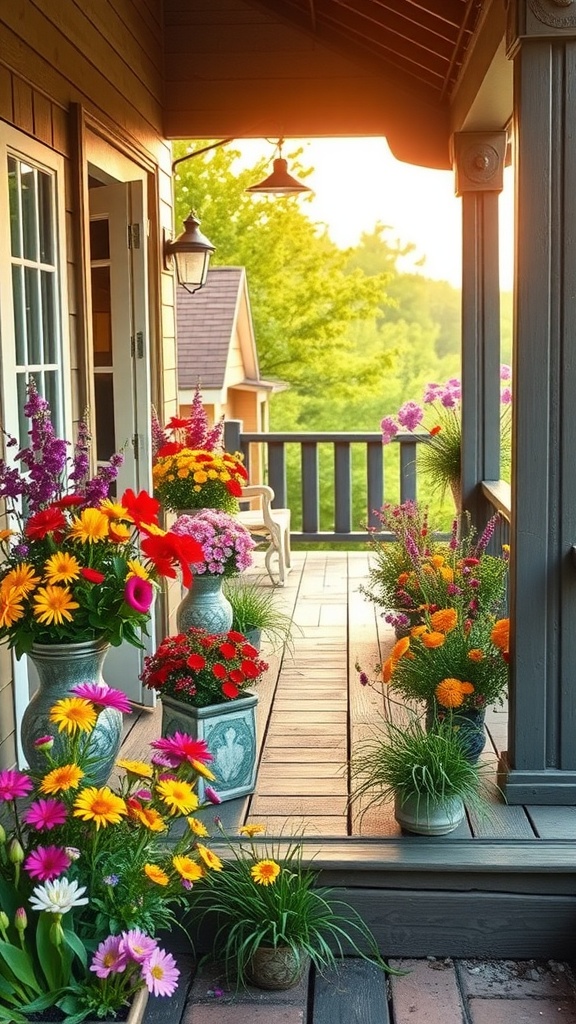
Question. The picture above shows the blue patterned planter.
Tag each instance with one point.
(469, 725)
(230, 732)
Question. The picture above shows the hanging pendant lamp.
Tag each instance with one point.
(280, 182)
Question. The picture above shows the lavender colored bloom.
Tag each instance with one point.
(450, 397)
(505, 372)
(410, 415)
(159, 435)
(109, 958)
(111, 880)
(212, 795)
(506, 396)
(137, 945)
(389, 429)
(81, 457)
(227, 545)
(432, 392)
(487, 535)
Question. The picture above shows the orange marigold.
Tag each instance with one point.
(476, 654)
(500, 634)
(403, 578)
(432, 640)
(447, 573)
(437, 561)
(400, 648)
(418, 630)
(449, 693)
(467, 687)
(387, 670)
(444, 619)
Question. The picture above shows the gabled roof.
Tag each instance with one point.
(205, 327)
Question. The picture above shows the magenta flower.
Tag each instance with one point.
(137, 945)
(109, 958)
(103, 695)
(181, 747)
(44, 743)
(138, 593)
(46, 814)
(410, 415)
(506, 396)
(212, 795)
(505, 372)
(163, 761)
(46, 862)
(14, 784)
(389, 429)
(160, 973)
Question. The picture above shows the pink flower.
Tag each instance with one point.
(506, 396)
(46, 814)
(109, 958)
(160, 973)
(14, 784)
(389, 429)
(138, 593)
(103, 695)
(44, 743)
(505, 372)
(181, 747)
(136, 945)
(163, 761)
(410, 415)
(46, 862)
(212, 795)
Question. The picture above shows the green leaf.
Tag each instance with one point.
(47, 953)
(76, 945)
(19, 963)
(12, 1016)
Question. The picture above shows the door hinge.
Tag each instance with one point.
(133, 236)
(137, 345)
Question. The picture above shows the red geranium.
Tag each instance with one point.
(48, 520)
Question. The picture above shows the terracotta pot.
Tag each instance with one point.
(277, 968)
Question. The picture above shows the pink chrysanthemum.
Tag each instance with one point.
(163, 761)
(160, 973)
(13, 784)
(104, 696)
(46, 862)
(46, 814)
(137, 945)
(138, 593)
(181, 747)
(109, 958)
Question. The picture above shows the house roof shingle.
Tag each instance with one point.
(205, 326)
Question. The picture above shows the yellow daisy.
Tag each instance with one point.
(61, 568)
(52, 605)
(187, 868)
(90, 526)
(101, 806)
(210, 859)
(150, 818)
(252, 830)
(11, 607)
(73, 714)
(265, 872)
(137, 569)
(197, 827)
(22, 576)
(178, 795)
(155, 874)
(120, 533)
(139, 768)
(113, 509)
(61, 779)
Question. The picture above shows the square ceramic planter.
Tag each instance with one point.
(230, 732)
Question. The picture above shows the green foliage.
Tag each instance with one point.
(254, 607)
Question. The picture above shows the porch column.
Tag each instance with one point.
(479, 168)
(541, 41)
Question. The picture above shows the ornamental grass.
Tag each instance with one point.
(87, 874)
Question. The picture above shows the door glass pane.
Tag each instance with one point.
(14, 201)
(51, 392)
(19, 322)
(45, 224)
(33, 322)
(99, 240)
(104, 398)
(101, 316)
(49, 326)
(29, 211)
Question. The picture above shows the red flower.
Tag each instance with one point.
(48, 520)
(435, 430)
(165, 551)
(234, 488)
(142, 507)
(227, 650)
(250, 670)
(196, 661)
(248, 651)
(69, 500)
(176, 422)
(170, 448)
(92, 575)
(236, 637)
(237, 676)
(229, 690)
(220, 671)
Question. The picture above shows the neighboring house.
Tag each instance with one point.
(217, 349)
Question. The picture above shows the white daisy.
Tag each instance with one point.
(59, 896)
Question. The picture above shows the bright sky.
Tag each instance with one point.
(358, 182)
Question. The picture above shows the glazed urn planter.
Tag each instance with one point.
(205, 606)
(59, 668)
(276, 969)
(426, 817)
(230, 732)
(468, 724)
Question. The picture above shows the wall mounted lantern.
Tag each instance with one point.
(191, 253)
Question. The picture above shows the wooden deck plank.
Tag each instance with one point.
(354, 993)
(553, 822)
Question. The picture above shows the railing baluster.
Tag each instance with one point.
(342, 487)
(375, 481)
(277, 472)
(310, 488)
(408, 470)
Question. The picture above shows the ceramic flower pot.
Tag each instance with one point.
(426, 817)
(60, 667)
(135, 1013)
(276, 969)
(468, 724)
(205, 606)
(230, 732)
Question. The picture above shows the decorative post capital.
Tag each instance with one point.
(478, 160)
(539, 19)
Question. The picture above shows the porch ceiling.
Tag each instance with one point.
(246, 68)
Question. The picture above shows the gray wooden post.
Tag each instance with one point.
(541, 41)
(479, 165)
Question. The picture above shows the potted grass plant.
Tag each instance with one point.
(426, 771)
(255, 613)
(271, 919)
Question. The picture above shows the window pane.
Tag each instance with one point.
(101, 316)
(99, 240)
(14, 200)
(51, 393)
(29, 211)
(23, 438)
(19, 322)
(33, 323)
(49, 326)
(104, 397)
(45, 218)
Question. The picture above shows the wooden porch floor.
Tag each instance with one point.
(313, 712)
